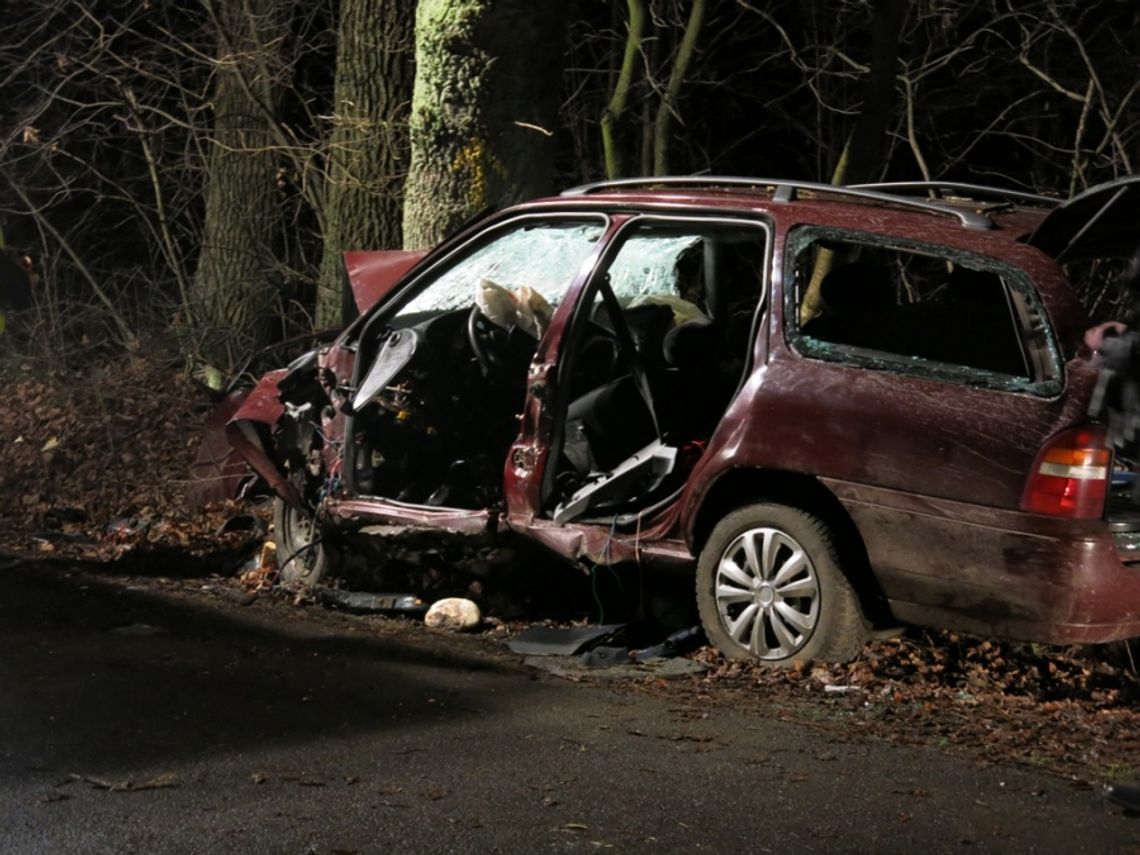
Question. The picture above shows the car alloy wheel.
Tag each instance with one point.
(770, 588)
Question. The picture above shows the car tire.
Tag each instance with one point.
(770, 587)
(304, 557)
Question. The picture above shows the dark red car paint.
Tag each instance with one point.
(258, 414)
(373, 273)
(218, 470)
(929, 472)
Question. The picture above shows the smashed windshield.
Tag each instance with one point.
(542, 256)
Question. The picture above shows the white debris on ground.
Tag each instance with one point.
(454, 613)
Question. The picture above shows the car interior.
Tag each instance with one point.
(921, 307)
(655, 353)
(651, 370)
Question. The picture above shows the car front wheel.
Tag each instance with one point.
(770, 587)
(303, 557)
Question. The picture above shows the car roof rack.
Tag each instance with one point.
(785, 191)
(977, 192)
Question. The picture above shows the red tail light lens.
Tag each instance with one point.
(1070, 476)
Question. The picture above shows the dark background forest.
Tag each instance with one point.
(181, 177)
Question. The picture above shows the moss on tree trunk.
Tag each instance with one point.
(484, 109)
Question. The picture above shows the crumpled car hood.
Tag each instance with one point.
(373, 273)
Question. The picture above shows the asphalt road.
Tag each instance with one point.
(141, 717)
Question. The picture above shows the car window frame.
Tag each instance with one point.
(1013, 278)
(583, 301)
(617, 242)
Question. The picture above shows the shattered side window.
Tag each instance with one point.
(653, 265)
(542, 256)
(921, 310)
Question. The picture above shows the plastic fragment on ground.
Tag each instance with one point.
(540, 640)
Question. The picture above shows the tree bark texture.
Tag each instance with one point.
(233, 292)
(483, 110)
(368, 149)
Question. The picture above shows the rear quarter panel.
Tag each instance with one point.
(923, 466)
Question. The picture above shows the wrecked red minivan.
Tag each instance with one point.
(835, 408)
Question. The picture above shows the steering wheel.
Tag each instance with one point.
(489, 342)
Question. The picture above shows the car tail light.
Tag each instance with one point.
(1070, 476)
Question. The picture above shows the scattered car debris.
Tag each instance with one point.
(54, 536)
(605, 657)
(125, 527)
(580, 648)
(454, 613)
(360, 602)
(573, 668)
(681, 641)
(542, 640)
(1125, 795)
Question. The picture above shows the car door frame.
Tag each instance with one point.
(527, 480)
(355, 507)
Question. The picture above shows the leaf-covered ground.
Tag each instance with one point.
(94, 466)
(95, 463)
(1072, 711)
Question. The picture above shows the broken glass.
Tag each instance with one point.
(545, 257)
(652, 265)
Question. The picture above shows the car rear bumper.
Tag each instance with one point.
(991, 571)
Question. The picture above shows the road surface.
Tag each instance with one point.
(143, 716)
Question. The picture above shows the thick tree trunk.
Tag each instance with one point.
(233, 291)
(483, 110)
(368, 149)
